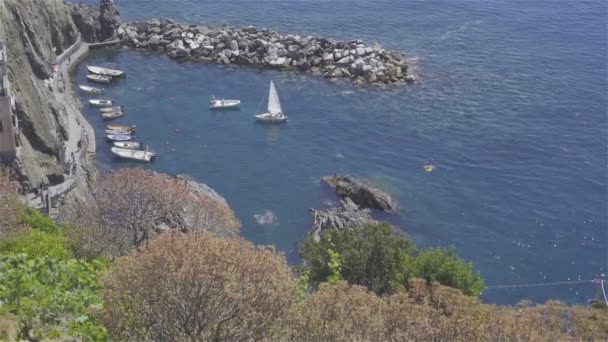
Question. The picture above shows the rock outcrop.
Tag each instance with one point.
(357, 199)
(363, 64)
(346, 215)
(96, 24)
(361, 193)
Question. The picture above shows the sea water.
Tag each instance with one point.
(510, 108)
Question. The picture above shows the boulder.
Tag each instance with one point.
(361, 193)
(242, 60)
(177, 49)
(154, 40)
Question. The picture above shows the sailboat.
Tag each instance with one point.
(275, 112)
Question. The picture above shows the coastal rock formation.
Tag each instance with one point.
(363, 64)
(346, 215)
(361, 193)
(34, 33)
(96, 24)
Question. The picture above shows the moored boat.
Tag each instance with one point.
(105, 71)
(118, 131)
(111, 109)
(112, 115)
(275, 111)
(133, 145)
(101, 103)
(133, 154)
(90, 90)
(99, 78)
(119, 137)
(224, 104)
(125, 128)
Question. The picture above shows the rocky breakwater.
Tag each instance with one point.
(363, 64)
(357, 199)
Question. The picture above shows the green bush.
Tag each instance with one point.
(373, 256)
(50, 297)
(37, 244)
(446, 268)
(38, 221)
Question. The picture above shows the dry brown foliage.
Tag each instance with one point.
(437, 313)
(133, 205)
(195, 287)
(9, 206)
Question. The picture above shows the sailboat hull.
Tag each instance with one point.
(271, 118)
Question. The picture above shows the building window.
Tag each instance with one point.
(1, 128)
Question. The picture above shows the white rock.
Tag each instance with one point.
(360, 51)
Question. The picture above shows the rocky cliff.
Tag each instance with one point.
(35, 33)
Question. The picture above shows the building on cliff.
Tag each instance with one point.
(8, 121)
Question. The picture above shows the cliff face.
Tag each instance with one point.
(96, 24)
(35, 33)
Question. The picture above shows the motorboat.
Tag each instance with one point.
(133, 145)
(124, 128)
(112, 115)
(275, 112)
(119, 137)
(133, 154)
(99, 78)
(224, 104)
(111, 109)
(105, 71)
(90, 90)
(101, 103)
(118, 131)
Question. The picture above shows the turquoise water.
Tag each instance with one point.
(511, 109)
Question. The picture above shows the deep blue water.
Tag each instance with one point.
(511, 109)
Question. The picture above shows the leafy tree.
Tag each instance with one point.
(373, 256)
(196, 287)
(446, 268)
(51, 297)
(132, 206)
(370, 256)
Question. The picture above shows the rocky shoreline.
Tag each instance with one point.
(361, 63)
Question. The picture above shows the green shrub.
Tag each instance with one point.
(36, 244)
(51, 297)
(38, 221)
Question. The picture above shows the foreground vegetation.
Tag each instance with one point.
(178, 283)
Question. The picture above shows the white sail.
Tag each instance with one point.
(274, 105)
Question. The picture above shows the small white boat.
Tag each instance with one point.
(275, 112)
(118, 131)
(133, 154)
(99, 78)
(101, 103)
(119, 137)
(105, 71)
(112, 115)
(132, 145)
(111, 109)
(90, 90)
(224, 104)
(123, 128)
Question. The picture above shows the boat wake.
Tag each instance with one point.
(266, 218)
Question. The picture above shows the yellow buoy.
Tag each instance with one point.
(429, 168)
